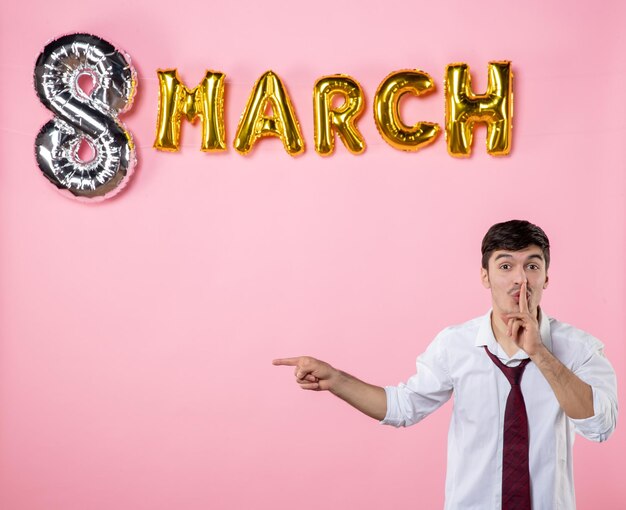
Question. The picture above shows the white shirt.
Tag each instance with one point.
(456, 363)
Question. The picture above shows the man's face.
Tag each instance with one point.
(504, 276)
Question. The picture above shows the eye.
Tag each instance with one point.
(505, 267)
(533, 267)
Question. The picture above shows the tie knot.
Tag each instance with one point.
(513, 374)
(516, 372)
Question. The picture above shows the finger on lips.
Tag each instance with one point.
(523, 298)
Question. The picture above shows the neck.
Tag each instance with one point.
(500, 331)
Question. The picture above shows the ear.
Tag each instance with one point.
(484, 278)
(545, 284)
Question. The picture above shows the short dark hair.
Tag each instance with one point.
(514, 235)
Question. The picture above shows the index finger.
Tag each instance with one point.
(523, 299)
(291, 362)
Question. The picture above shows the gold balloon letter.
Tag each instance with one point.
(269, 92)
(342, 118)
(387, 115)
(463, 109)
(206, 101)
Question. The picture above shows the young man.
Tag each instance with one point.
(523, 383)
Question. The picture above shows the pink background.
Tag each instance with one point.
(136, 335)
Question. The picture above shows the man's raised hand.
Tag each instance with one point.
(523, 326)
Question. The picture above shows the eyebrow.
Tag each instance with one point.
(508, 255)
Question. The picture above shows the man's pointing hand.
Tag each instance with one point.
(311, 373)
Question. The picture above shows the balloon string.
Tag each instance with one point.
(617, 129)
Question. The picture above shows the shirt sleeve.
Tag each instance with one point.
(423, 393)
(596, 371)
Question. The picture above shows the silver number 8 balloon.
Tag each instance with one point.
(82, 117)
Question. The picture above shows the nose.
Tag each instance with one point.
(520, 276)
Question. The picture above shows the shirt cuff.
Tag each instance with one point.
(393, 415)
(599, 426)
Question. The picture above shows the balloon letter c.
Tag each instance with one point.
(386, 110)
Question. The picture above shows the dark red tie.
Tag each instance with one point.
(515, 473)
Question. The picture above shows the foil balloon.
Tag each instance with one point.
(342, 118)
(255, 122)
(81, 117)
(204, 102)
(387, 110)
(464, 108)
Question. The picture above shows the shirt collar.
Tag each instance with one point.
(486, 337)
